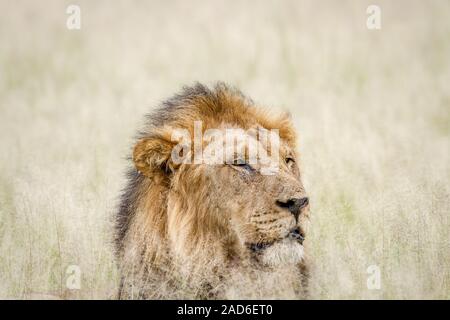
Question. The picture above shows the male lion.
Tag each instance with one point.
(205, 229)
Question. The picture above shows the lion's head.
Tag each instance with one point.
(217, 181)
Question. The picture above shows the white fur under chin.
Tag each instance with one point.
(283, 253)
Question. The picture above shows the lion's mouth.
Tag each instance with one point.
(295, 235)
(260, 246)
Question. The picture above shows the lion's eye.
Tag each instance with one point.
(289, 160)
(242, 164)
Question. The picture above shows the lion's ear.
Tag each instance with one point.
(151, 156)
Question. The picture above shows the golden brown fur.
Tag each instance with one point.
(186, 230)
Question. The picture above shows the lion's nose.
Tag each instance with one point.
(294, 205)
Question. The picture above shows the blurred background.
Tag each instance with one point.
(372, 109)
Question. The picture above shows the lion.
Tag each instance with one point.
(205, 229)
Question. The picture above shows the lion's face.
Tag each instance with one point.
(267, 211)
(191, 220)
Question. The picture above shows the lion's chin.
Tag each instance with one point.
(282, 253)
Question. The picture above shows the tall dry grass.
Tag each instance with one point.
(372, 109)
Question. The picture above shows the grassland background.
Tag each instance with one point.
(372, 109)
